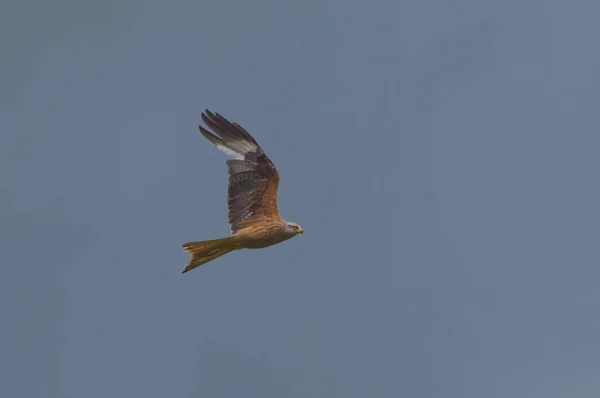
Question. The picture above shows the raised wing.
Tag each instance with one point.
(253, 178)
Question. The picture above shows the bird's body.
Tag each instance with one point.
(260, 236)
(252, 196)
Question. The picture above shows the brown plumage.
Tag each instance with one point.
(254, 219)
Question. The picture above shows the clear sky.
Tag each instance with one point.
(442, 158)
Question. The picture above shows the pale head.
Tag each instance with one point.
(293, 228)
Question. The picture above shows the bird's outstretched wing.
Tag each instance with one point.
(253, 178)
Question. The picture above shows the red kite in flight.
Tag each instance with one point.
(251, 195)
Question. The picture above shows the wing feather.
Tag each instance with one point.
(253, 178)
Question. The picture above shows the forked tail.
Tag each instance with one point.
(203, 252)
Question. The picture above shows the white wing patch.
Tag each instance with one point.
(241, 147)
(236, 149)
(230, 152)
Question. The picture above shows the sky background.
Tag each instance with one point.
(442, 158)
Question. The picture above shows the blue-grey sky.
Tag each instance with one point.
(441, 157)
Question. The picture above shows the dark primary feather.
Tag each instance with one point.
(253, 179)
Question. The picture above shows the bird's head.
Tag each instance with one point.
(294, 228)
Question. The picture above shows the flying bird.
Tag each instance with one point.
(254, 219)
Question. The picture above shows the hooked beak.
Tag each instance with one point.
(301, 231)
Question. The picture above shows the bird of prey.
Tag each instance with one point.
(254, 220)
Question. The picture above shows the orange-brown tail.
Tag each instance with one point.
(203, 252)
